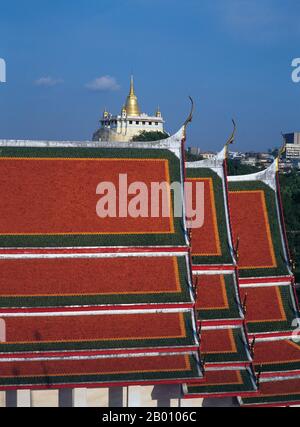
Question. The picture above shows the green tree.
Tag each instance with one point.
(236, 168)
(192, 157)
(150, 136)
(290, 192)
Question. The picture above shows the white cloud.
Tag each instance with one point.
(103, 83)
(48, 81)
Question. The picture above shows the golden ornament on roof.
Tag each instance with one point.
(132, 106)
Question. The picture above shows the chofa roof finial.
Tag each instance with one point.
(232, 136)
(190, 116)
(283, 147)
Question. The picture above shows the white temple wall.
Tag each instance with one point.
(24, 399)
(133, 396)
(2, 399)
(98, 397)
(44, 399)
(124, 132)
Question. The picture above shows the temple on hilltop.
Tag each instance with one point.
(142, 311)
(130, 123)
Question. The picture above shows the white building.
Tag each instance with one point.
(208, 155)
(249, 161)
(292, 145)
(129, 123)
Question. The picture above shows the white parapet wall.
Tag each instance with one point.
(134, 396)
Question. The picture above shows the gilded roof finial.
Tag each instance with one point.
(158, 112)
(131, 86)
(132, 106)
(105, 113)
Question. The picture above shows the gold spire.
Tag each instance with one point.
(105, 113)
(158, 112)
(132, 106)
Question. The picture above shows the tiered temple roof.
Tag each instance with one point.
(255, 216)
(88, 300)
(224, 344)
(267, 286)
(211, 243)
(60, 183)
(101, 281)
(97, 371)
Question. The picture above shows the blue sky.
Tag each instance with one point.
(233, 56)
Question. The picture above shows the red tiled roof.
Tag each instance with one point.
(278, 355)
(276, 393)
(264, 304)
(220, 383)
(211, 242)
(54, 196)
(29, 282)
(269, 308)
(267, 291)
(98, 371)
(88, 276)
(67, 313)
(223, 340)
(217, 298)
(206, 239)
(105, 331)
(224, 345)
(250, 223)
(212, 293)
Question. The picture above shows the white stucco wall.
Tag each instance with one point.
(134, 396)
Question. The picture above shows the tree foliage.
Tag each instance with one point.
(189, 157)
(290, 191)
(236, 168)
(150, 136)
